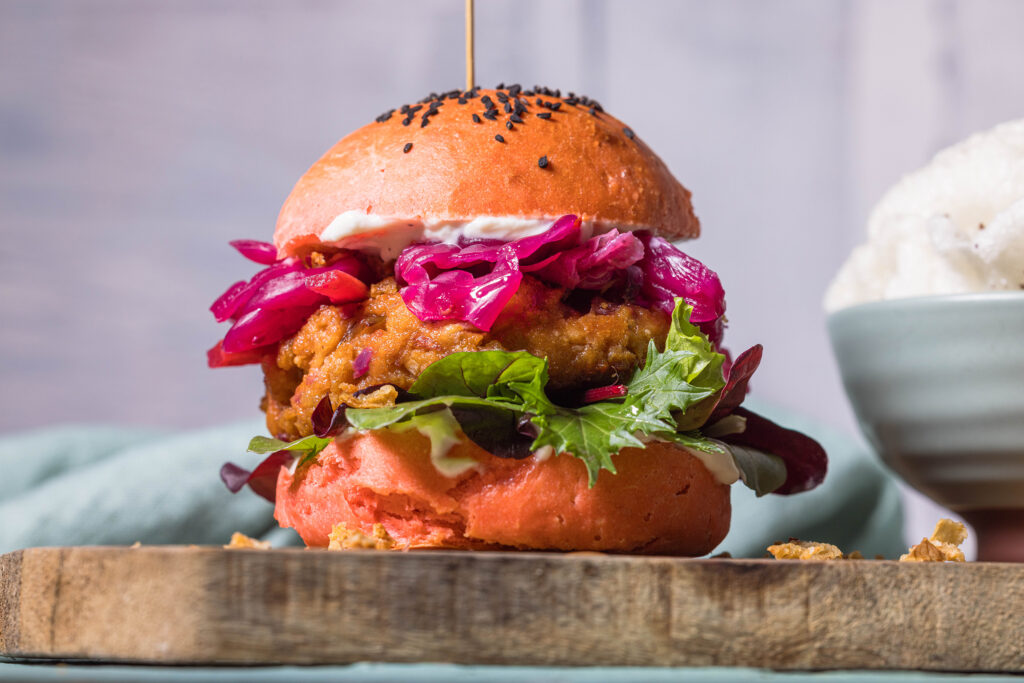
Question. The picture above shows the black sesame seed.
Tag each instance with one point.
(543, 162)
(515, 100)
(407, 147)
(499, 138)
(629, 133)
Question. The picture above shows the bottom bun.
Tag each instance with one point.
(662, 500)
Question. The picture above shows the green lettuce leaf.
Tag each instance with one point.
(479, 373)
(760, 471)
(264, 445)
(670, 382)
(499, 400)
(379, 418)
(307, 448)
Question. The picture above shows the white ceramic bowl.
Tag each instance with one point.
(937, 384)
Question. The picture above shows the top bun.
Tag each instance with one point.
(456, 169)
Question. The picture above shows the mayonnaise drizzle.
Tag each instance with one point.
(720, 464)
(389, 235)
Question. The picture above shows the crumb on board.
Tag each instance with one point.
(805, 550)
(341, 538)
(240, 540)
(943, 546)
(137, 544)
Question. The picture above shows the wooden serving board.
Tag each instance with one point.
(175, 605)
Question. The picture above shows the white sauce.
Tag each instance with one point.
(721, 465)
(543, 453)
(389, 235)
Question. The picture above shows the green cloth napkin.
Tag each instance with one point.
(96, 485)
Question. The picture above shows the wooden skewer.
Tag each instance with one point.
(469, 45)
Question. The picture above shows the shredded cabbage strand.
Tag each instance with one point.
(472, 282)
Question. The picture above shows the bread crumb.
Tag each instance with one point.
(948, 531)
(943, 546)
(805, 550)
(386, 395)
(137, 544)
(240, 540)
(341, 538)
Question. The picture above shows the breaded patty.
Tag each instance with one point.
(601, 346)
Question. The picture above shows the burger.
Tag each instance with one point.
(476, 332)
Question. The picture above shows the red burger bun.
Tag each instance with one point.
(661, 501)
(454, 169)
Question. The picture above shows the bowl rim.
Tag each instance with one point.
(931, 301)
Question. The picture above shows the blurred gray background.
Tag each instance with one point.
(138, 137)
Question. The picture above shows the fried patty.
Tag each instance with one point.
(601, 345)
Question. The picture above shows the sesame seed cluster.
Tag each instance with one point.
(511, 105)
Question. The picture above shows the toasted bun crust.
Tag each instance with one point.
(661, 501)
(456, 170)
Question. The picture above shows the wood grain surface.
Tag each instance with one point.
(173, 605)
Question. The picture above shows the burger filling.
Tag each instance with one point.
(549, 343)
(601, 345)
